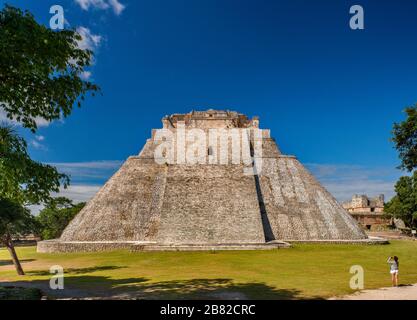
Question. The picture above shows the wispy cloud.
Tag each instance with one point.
(40, 122)
(115, 5)
(89, 40)
(85, 75)
(343, 181)
(86, 179)
(77, 193)
(40, 138)
(94, 172)
(37, 143)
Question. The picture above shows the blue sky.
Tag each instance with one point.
(329, 94)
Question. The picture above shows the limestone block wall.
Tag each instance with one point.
(210, 204)
(121, 210)
(299, 208)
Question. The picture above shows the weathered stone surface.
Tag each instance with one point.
(151, 205)
(299, 208)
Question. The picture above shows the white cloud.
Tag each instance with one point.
(79, 193)
(76, 193)
(86, 179)
(40, 122)
(98, 4)
(115, 5)
(89, 40)
(104, 164)
(94, 172)
(37, 143)
(85, 75)
(343, 181)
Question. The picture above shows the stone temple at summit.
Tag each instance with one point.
(210, 201)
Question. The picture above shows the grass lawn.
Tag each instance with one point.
(303, 271)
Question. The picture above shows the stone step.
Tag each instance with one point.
(210, 247)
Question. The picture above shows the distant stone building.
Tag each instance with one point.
(369, 212)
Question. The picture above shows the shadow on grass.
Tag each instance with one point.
(103, 287)
(10, 262)
(71, 271)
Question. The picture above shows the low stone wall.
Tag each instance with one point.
(369, 241)
(212, 247)
(53, 246)
(57, 246)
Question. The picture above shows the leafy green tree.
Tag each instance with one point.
(15, 220)
(40, 77)
(404, 205)
(40, 69)
(23, 181)
(56, 216)
(405, 139)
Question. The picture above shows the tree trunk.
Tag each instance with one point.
(9, 245)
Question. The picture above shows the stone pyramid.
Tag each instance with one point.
(195, 196)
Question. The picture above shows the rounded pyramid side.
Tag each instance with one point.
(298, 207)
(121, 209)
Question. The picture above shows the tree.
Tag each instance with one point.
(23, 181)
(15, 220)
(56, 216)
(405, 139)
(40, 77)
(40, 69)
(404, 205)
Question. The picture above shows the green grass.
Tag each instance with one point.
(303, 271)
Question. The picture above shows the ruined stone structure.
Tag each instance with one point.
(151, 205)
(368, 212)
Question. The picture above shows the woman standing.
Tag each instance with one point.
(394, 265)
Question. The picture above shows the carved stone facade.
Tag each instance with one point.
(147, 205)
(369, 212)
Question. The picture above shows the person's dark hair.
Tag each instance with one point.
(396, 260)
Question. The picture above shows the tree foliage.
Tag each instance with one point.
(15, 221)
(404, 205)
(40, 69)
(23, 180)
(40, 78)
(56, 216)
(405, 139)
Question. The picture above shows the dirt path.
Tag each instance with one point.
(407, 292)
(79, 294)
(404, 292)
